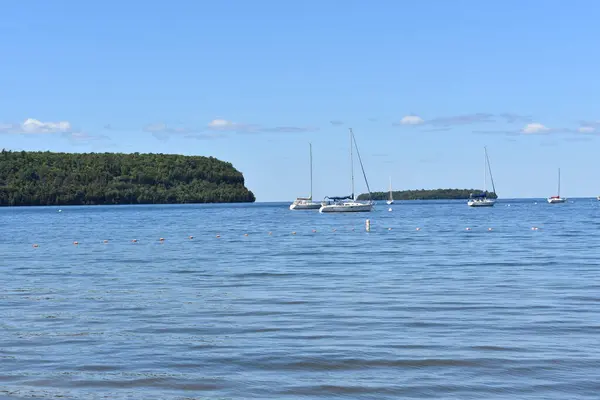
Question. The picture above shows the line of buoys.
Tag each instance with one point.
(270, 233)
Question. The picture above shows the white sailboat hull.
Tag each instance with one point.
(481, 203)
(390, 202)
(346, 207)
(305, 206)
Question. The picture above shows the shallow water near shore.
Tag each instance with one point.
(306, 305)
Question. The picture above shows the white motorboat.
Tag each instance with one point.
(482, 199)
(557, 199)
(349, 203)
(306, 203)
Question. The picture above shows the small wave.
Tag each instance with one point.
(357, 364)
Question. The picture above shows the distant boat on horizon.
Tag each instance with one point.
(391, 198)
(557, 199)
(349, 203)
(306, 203)
(481, 199)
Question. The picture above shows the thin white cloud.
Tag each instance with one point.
(412, 120)
(514, 118)
(586, 129)
(206, 136)
(447, 122)
(290, 129)
(163, 128)
(34, 126)
(224, 125)
(465, 119)
(221, 124)
(84, 137)
(535, 127)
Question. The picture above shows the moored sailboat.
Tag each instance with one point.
(349, 203)
(306, 203)
(391, 197)
(481, 199)
(557, 199)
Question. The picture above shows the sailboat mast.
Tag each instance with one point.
(487, 159)
(559, 182)
(311, 171)
(484, 171)
(352, 163)
(391, 197)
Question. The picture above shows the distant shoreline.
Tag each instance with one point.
(426, 194)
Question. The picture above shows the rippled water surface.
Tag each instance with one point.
(328, 312)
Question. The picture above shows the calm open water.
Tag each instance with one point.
(439, 312)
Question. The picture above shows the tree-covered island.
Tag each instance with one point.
(426, 194)
(46, 178)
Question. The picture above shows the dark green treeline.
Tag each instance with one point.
(426, 194)
(45, 178)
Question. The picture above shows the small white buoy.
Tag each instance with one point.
(468, 229)
(418, 229)
(390, 209)
(59, 210)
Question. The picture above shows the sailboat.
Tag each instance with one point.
(349, 203)
(481, 199)
(306, 203)
(557, 199)
(391, 198)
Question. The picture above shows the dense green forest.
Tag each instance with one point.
(426, 194)
(45, 178)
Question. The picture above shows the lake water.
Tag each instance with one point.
(442, 312)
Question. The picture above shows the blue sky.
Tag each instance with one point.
(424, 84)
